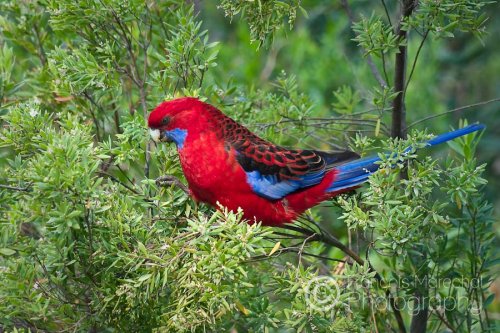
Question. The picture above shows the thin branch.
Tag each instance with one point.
(384, 66)
(386, 12)
(160, 19)
(320, 139)
(116, 180)
(444, 321)
(16, 188)
(94, 118)
(301, 248)
(91, 239)
(282, 236)
(21, 324)
(43, 55)
(125, 174)
(369, 60)
(306, 230)
(465, 107)
(291, 250)
(116, 118)
(416, 58)
(323, 122)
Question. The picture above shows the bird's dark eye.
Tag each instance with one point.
(165, 120)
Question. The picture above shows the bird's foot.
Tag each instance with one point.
(169, 180)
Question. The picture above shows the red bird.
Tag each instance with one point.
(224, 162)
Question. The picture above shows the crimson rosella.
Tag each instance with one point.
(225, 163)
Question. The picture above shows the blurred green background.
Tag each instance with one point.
(321, 55)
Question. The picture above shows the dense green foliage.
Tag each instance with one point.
(90, 242)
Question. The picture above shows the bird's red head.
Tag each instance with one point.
(174, 113)
(187, 114)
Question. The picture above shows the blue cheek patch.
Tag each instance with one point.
(178, 136)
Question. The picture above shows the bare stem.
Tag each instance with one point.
(116, 180)
(387, 12)
(16, 188)
(399, 112)
(92, 114)
(42, 54)
(465, 107)
(424, 37)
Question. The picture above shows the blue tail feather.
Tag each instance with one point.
(455, 134)
(355, 173)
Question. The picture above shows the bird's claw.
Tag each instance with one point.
(169, 180)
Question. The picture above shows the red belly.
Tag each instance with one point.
(215, 176)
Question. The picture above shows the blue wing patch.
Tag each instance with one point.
(270, 187)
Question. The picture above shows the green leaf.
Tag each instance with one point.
(144, 277)
(6, 251)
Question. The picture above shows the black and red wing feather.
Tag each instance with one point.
(273, 171)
